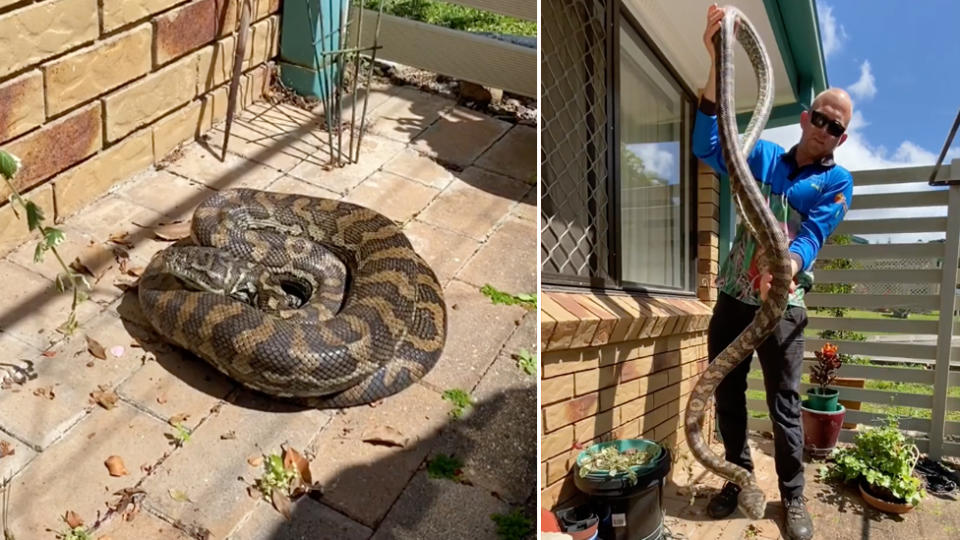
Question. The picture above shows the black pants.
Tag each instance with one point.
(781, 357)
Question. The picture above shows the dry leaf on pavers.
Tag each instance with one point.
(230, 435)
(125, 282)
(173, 231)
(281, 502)
(121, 239)
(255, 461)
(93, 262)
(293, 459)
(72, 519)
(385, 436)
(6, 449)
(178, 419)
(135, 271)
(115, 466)
(161, 398)
(104, 397)
(96, 348)
(45, 392)
(179, 496)
(49, 353)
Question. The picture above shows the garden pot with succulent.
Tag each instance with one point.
(881, 463)
(821, 413)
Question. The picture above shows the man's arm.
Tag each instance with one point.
(823, 219)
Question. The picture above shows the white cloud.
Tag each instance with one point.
(865, 87)
(832, 34)
(656, 159)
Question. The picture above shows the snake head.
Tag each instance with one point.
(212, 270)
(752, 502)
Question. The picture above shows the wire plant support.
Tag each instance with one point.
(333, 55)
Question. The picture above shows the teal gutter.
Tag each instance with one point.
(796, 28)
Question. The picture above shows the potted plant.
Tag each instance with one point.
(881, 462)
(821, 413)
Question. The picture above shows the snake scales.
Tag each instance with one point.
(771, 239)
(314, 299)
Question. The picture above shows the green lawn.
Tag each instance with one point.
(864, 314)
(890, 386)
(454, 16)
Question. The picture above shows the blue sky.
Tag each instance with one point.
(900, 61)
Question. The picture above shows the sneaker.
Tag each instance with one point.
(799, 524)
(724, 503)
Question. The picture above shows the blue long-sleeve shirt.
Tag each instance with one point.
(809, 202)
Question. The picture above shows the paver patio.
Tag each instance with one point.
(839, 512)
(462, 185)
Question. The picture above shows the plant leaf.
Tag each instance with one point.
(173, 231)
(115, 466)
(281, 502)
(34, 215)
(104, 397)
(72, 519)
(386, 436)
(53, 236)
(9, 165)
(293, 459)
(179, 496)
(96, 349)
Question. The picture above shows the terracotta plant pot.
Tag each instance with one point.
(884, 505)
(820, 429)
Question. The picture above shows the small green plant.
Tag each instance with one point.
(276, 477)
(180, 437)
(76, 533)
(884, 458)
(50, 238)
(513, 526)
(526, 362)
(444, 466)
(459, 399)
(528, 301)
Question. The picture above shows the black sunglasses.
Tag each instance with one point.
(819, 120)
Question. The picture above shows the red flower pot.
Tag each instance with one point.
(821, 430)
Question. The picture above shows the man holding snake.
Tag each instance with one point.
(809, 195)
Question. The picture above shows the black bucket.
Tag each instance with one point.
(627, 510)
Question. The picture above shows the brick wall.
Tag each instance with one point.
(92, 91)
(618, 366)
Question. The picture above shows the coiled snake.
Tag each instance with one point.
(299, 297)
(762, 224)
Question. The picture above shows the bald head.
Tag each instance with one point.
(837, 99)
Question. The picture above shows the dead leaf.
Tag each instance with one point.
(173, 231)
(179, 496)
(135, 271)
(385, 436)
(161, 398)
(230, 435)
(104, 397)
(6, 449)
(121, 239)
(49, 353)
(72, 519)
(178, 419)
(45, 392)
(115, 466)
(125, 282)
(90, 364)
(281, 502)
(293, 459)
(93, 261)
(96, 349)
(255, 461)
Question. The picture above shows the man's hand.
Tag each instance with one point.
(766, 277)
(714, 16)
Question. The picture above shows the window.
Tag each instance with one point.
(617, 171)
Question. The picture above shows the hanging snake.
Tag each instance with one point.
(317, 300)
(760, 222)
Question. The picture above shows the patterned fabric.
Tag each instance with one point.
(809, 202)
